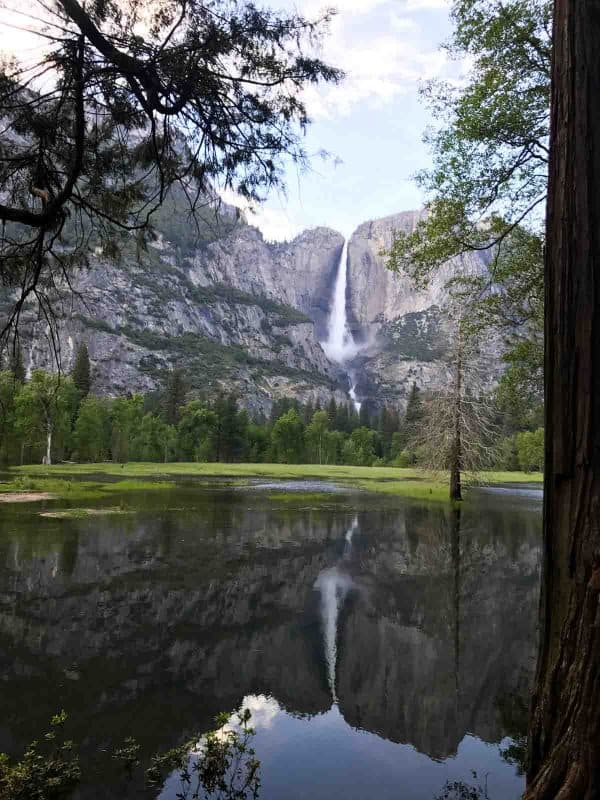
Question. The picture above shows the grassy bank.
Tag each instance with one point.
(413, 483)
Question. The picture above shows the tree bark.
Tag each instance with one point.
(565, 721)
(456, 457)
(49, 446)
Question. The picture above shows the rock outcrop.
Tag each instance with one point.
(241, 314)
(403, 330)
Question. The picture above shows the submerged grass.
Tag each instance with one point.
(80, 513)
(412, 482)
(64, 489)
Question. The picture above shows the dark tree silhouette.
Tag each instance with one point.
(175, 394)
(565, 724)
(82, 373)
(128, 102)
(16, 364)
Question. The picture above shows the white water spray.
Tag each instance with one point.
(353, 397)
(340, 345)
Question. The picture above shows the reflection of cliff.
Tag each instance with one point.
(442, 641)
(148, 625)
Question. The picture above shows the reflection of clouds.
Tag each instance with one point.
(264, 710)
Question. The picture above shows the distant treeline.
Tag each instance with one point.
(53, 418)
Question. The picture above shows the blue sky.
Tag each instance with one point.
(373, 123)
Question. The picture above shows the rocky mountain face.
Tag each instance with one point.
(404, 331)
(241, 314)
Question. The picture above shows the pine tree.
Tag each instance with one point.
(414, 413)
(342, 419)
(308, 412)
(365, 416)
(175, 394)
(332, 412)
(16, 364)
(81, 372)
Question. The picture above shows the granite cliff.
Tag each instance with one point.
(241, 314)
(403, 331)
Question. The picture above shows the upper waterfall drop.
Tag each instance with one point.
(340, 345)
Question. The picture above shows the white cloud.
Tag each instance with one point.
(385, 48)
(274, 223)
(422, 5)
(377, 71)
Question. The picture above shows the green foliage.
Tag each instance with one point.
(287, 438)
(280, 314)
(461, 790)
(489, 175)
(227, 767)
(126, 420)
(530, 450)
(8, 392)
(359, 449)
(196, 432)
(490, 151)
(81, 373)
(136, 428)
(92, 430)
(44, 409)
(316, 433)
(507, 456)
(49, 769)
(224, 767)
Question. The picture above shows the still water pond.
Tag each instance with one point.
(383, 647)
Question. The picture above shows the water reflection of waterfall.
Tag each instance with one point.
(349, 534)
(340, 345)
(333, 586)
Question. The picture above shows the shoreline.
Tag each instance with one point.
(79, 481)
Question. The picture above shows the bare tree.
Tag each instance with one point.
(457, 432)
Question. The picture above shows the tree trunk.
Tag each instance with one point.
(565, 722)
(455, 483)
(456, 456)
(49, 445)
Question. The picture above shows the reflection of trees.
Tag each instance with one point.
(446, 613)
(514, 713)
(455, 538)
(153, 623)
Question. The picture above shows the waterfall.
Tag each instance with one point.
(340, 345)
